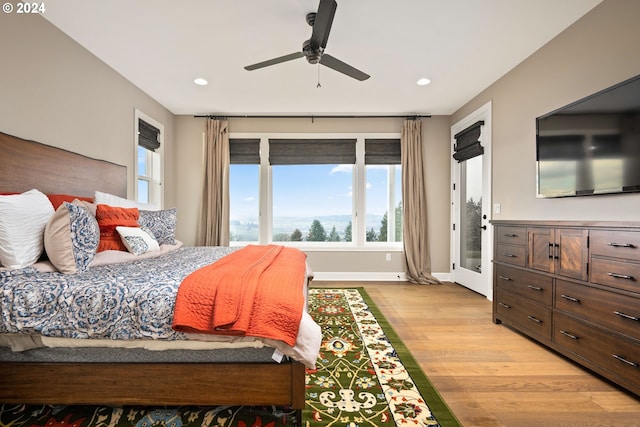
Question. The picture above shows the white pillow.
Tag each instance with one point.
(100, 198)
(138, 240)
(23, 218)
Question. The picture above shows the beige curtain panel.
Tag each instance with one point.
(414, 200)
(214, 217)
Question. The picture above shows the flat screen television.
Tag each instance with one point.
(591, 146)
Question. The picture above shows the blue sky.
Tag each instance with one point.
(308, 190)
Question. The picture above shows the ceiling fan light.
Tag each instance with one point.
(200, 81)
(423, 81)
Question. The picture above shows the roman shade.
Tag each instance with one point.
(244, 151)
(382, 151)
(148, 136)
(467, 144)
(312, 151)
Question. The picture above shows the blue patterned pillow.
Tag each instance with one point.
(71, 238)
(136, 244)
(138, 240)
(161, 223)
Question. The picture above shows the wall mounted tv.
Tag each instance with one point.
(591, 146)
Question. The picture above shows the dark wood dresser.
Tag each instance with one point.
(574, 287)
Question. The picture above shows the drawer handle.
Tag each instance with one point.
(535, 288)
(567, 334)
(534, 319)
(620, 276)
(622, 359)
(509, 255)
(621, 245)
(626, 316)
(510, 235)
(505, 278)
(567, 297)
(504, 305)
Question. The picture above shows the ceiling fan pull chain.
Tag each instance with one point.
(319, 85)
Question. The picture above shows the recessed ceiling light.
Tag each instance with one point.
(200, 81)
(423, 81)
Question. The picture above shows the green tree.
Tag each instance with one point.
(474, 220)
(372, 236)
(316, 232)
(296, 236)
(281, 237)
(347, 233)
(382, 237)
(334, 236)
(399, 222)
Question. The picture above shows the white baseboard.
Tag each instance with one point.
(443, 277)
(346, 276)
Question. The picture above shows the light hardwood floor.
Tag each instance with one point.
(489, 375)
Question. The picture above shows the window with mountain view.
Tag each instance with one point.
(316, 190)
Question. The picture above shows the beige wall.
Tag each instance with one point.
(54, 91)
(436, 130)
(599, 50)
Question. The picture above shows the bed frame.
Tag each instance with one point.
(27, 164)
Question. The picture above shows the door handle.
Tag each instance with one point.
(484, 227)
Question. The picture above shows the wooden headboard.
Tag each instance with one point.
(28, 164)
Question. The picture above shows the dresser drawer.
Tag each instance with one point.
(530, 317)
(533, 286)
(615, 244)
(620, 313)
(511, 254)
(617, 274)
(511, 235)
(612, 353)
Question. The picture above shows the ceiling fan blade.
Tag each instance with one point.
(275, 61)
(322, 24)
(336, 64)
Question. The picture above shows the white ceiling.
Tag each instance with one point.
(463, 46)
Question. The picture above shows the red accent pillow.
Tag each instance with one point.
(57, 199)
(110, 217)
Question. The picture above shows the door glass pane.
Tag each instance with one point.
(471, 214)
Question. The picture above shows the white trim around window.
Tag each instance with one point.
(358, 187)
(155, 162)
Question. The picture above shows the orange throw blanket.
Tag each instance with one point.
(255, 291)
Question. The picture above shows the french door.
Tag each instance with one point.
(471, 236)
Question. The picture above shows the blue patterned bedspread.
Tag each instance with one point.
(133, 300)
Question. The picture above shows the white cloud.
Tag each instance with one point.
(249, 199)
(342, 169)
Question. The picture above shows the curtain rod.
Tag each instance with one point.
(312, 117)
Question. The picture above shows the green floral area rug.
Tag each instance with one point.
(365, 377)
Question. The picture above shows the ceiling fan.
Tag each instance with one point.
(313, 49)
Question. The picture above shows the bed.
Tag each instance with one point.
(121, 376)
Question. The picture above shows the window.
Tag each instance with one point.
(318, 190)
(312, 184)
(383, 220)
(149, 149)
(244, 191)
